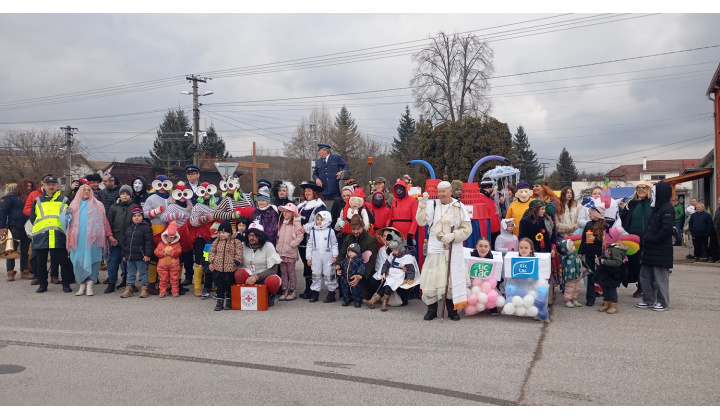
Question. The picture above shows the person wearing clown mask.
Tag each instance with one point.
(197, 232)
(234, 203)
(153, 208)
(178, 209)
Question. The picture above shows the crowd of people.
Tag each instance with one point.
(363, 246)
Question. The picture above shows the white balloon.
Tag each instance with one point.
(517, 301)
(533, 293)
(500, 302)
(509, 309)
(542, 283)
(528, 301)
(520, 310)
(532, 311)
(475, 290)
(482, 298)
(480, 307)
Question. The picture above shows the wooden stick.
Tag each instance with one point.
(447, 280)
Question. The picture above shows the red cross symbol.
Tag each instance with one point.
(249, 298)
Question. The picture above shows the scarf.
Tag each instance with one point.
(88, 220)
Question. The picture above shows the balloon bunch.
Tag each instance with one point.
(527, 301)
(483, 295)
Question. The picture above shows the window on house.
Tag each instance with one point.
(657, 177)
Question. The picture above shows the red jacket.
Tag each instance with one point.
(403, 211)
(381, 214)
(31, 198)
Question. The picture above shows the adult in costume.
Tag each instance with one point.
(517, 208)
(195, 234)
(234, 203)
(449, 225)
(486, 197)
(402, 212)
(311, 205)
(260, 262)
(266, 213)
(328, 169)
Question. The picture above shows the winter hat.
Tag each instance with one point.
(225, 226)
(611, 210)
(356, 221)
(262, 182)
(136, 210)
(264, 193)
(539, 182)
(214, 227)
(83, 181)
(126, 189)
(172, 228)
(486, 183)
(354, 248)
(162, 178)
(256, 226)
(350, 182)
(349, 188)
(292, 208)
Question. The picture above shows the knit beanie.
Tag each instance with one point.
(225, 226)
(126, 189)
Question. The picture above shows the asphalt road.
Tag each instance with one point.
(59, 349)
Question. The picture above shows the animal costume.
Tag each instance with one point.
(234, 203)
(355, 205)
(449, 225)
(506, 241)
(168, 267)
(572, 271)
(322, 247)
(195, 234)
(517, 208)
(397, 269)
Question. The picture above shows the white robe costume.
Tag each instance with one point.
(441, 218)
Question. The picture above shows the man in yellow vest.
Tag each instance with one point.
(48, 235)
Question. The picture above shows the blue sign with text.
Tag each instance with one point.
(524, 267)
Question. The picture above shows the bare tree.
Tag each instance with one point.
(316, 128)
(32, 153)
(451, 78)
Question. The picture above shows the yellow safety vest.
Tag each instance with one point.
(47, 217)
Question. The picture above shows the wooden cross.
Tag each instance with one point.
(254, 165)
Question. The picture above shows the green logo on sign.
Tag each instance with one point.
(481, 269)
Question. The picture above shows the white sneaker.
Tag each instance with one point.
(658, 307)
(643, 305)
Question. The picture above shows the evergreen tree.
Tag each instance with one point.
(345, 138)
(213, 144)
(404, 148)
(523, 158)
(566, 170)
(171, 147)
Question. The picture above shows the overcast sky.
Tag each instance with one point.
(605, 115)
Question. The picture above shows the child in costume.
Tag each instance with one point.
(482, 250)
(207, 272)
(288, 240)
(226, 255)
(572, 272)
(347, 269)
(506, 241)
(610, 273)
(355, 205)
(398, 269)
(168, 268)
(321, 254)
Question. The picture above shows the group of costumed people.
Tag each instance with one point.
(362, 246)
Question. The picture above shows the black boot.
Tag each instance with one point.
(134, 289)
(638, 292)
(452, 313)
(219, 305)
(307, 294)
(66, 288)
(431, 312)
(110, 288)
(228, 304)
(330, 297)
(122, 284)
(271, 299)
(314, 296)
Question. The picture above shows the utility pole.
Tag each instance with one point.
(68, 153)
(196, 114)
(544, 164)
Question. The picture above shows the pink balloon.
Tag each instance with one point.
(485, 287)
(493, 283)
(472, 300)
(490, 304)
(494, 299)
(476, 282)
(493, 294)
(471, 310)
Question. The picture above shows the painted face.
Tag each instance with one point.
(138, 186)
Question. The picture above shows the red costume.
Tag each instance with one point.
(492, 213)
(381, 213)
(168, 267)
(403, 210)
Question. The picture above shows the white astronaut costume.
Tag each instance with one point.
(322, 247)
